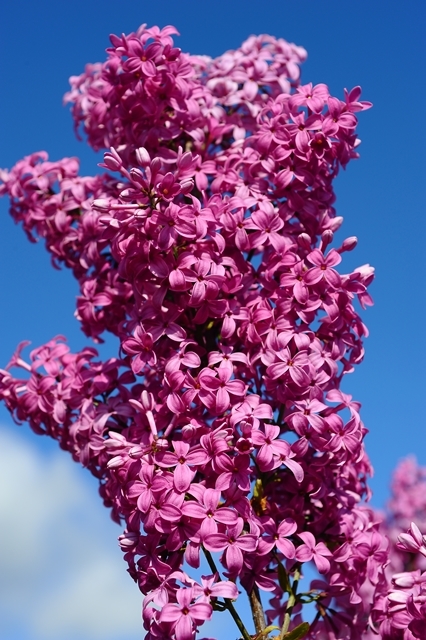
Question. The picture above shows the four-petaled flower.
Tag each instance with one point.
(311, 550)
(323, 268)
(181, 460)
(185, 614)
(234, 542)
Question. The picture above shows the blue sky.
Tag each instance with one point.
(45, 499)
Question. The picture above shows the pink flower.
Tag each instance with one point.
(186, 615)
(221, 387)
(296, 279)
(234, 543)
(226, 358)
(295, 365)
(278, 536)
(181, 460)
(141, 345)
(211, 588)
(251, 410)
(413, 540)
(311, 97)
(234, 471)
(167, 188)
(312, 551)
(207, 279)
(270, 447)
(205, 249)
(195, 222)
(183, 357)
(206, 508)
(322, 268)
(267, 225)
(373, 546)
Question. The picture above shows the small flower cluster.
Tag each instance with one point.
(220, 430)
(399, 611)
(148, 93)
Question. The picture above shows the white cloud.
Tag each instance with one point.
(62, 575)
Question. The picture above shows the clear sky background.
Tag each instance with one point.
(61, 572)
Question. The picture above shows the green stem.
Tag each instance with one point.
(290, 604)
(228, 603)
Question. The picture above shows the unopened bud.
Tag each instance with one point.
(335, 223)
(405, 580)
(147, 400)
(115, 462)
(185, 160)
(305, 241)
(366, 270)
(142, 156)
(326, 239)
(137, 451)
(112, 160)
(101, 204)
(349, 244)
(186, 186)
(128, 540)
(156, 165)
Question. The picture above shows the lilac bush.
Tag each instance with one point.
(219, 432)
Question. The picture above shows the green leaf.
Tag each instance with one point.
(283, 578)
(298, 632)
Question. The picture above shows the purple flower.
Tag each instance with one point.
(295, 365)
(221, 387)
(413, 540)
(278, 536)
(311, 550)
(322, 268)
(185, 615)
(212, 588)
(141, 345)
(205, 248)
(207, 509)
(234, 542)
(180, 460)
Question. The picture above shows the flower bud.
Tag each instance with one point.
(335, 223)
(305, 241)
(405, 580)
(115, 462)
(326, 239)
(142, 156)
(187, 186)
(348, 245)
(112, 160)
(147, 400)
(101, 204)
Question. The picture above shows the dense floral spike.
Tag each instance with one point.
(399, 609)
(220, 428)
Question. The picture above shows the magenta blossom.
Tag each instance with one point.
(207, 248)
(185, 615)
(311, 550)
(233, 544)
(181, 460)
(211, 588)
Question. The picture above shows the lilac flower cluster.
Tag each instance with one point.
(400, 606)
(220, 429)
